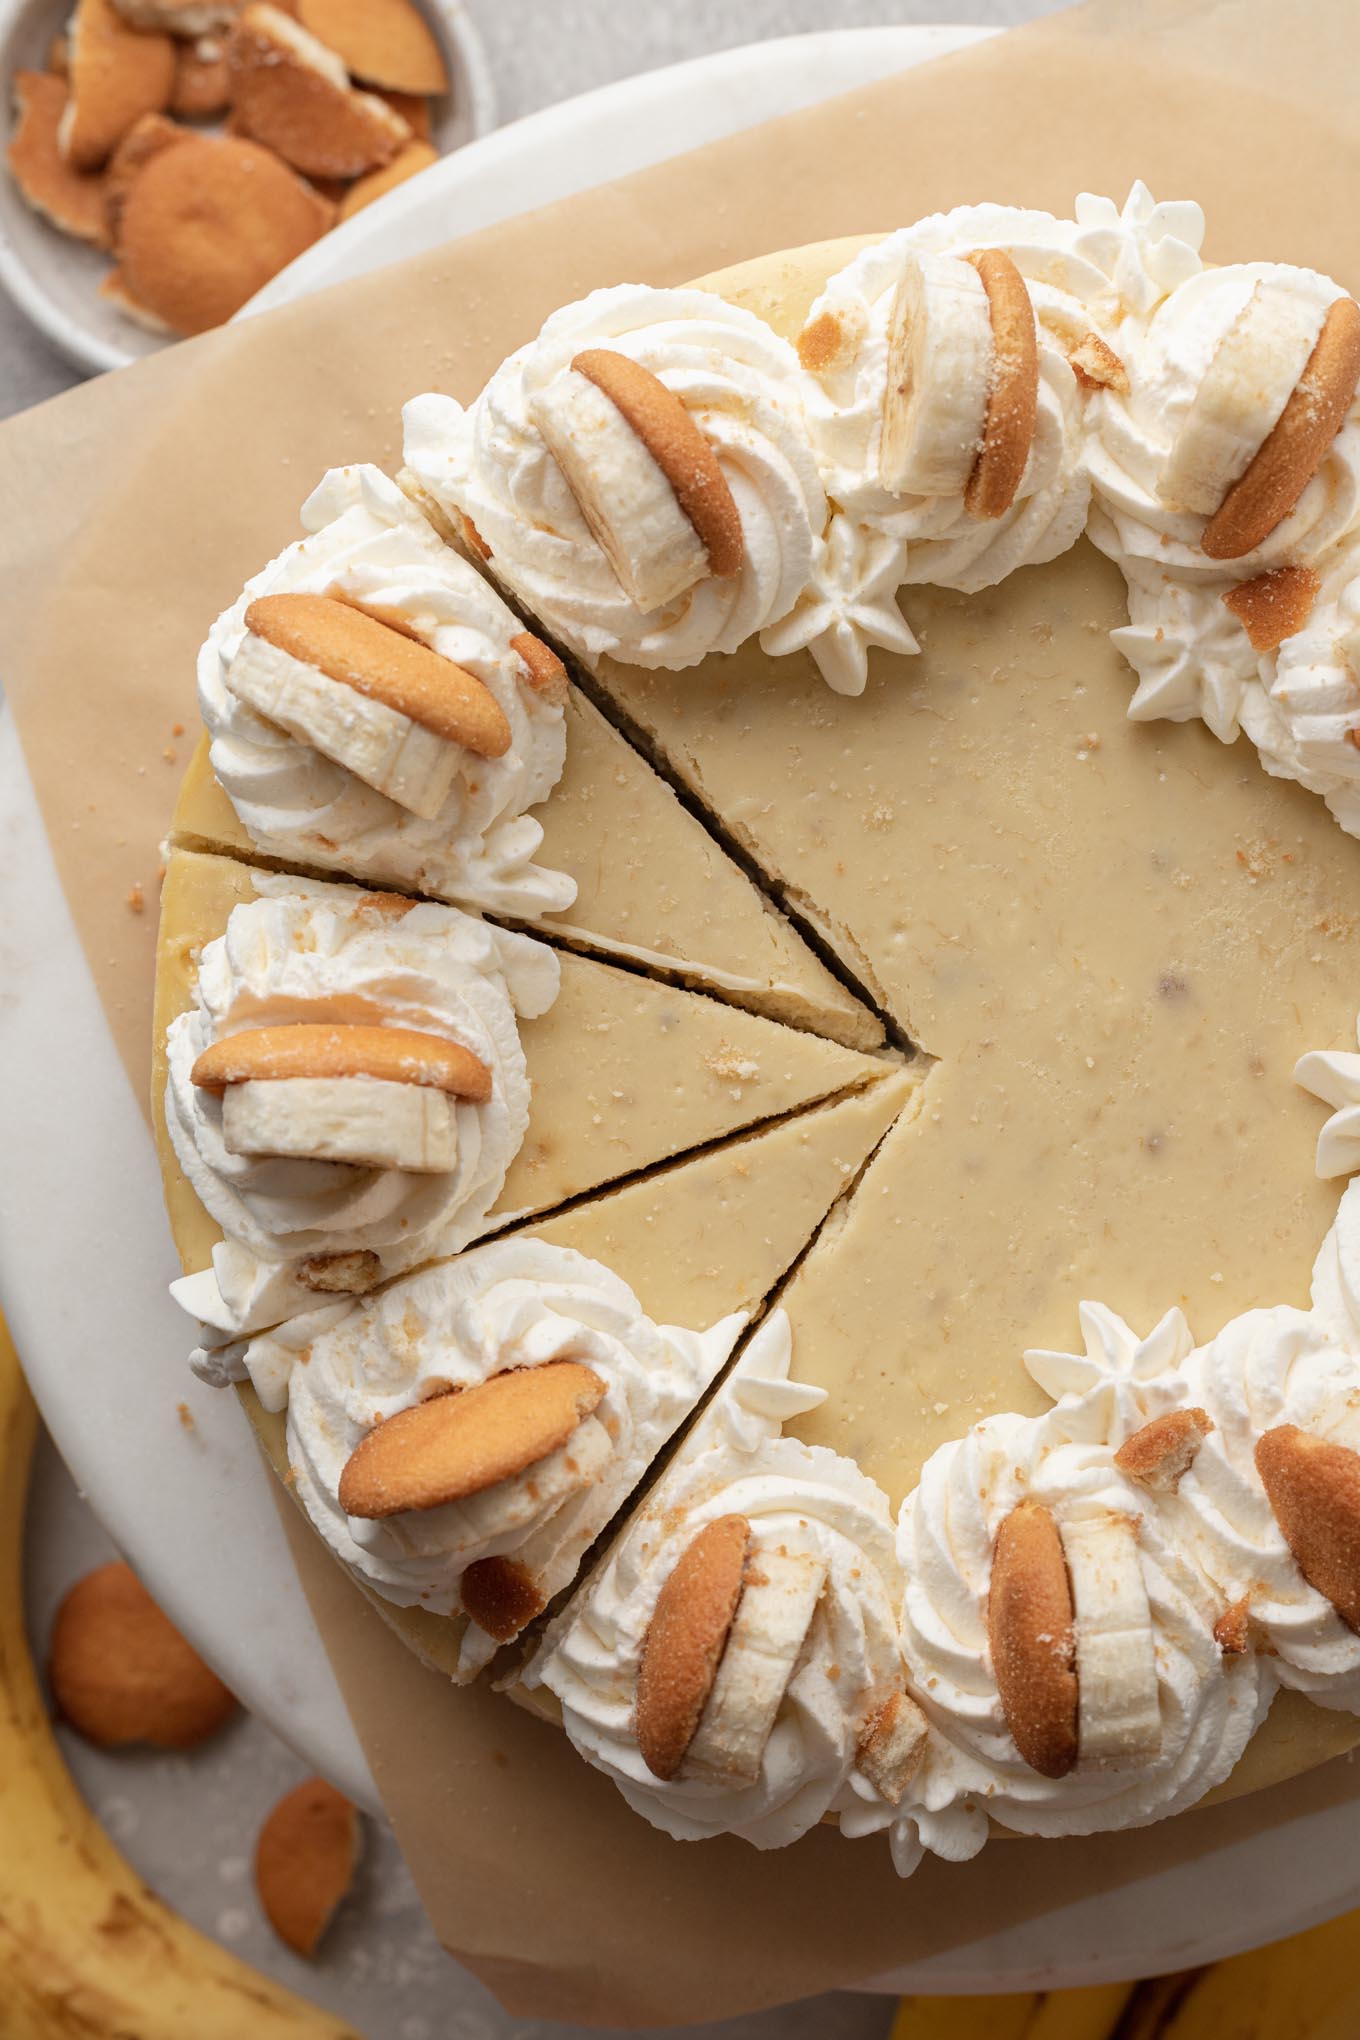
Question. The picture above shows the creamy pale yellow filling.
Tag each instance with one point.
(651, 884)
(626, 1071)
(693, 1242)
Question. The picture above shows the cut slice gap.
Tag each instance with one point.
(654, 888)
(734, 1220)
(840, 958)
(626, 1071)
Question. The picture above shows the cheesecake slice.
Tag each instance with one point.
(625, 1071)
(695, 1241)
(652, 885)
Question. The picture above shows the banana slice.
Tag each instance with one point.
(625, 497)
(778, 1600)
(1245, 388)
(1118, 1715)
(939, 375)
(364, 1120)
(411, 765)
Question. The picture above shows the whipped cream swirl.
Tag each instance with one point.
(796, 1498)
(1304, 717)
(880, 540)
(1192, 657)
(741, 385)
(515, 1303)
(1267, 1368)
(308, 952)
(367, 541)
(1209, 1706)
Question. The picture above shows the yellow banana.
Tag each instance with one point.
(87, 1951)
(1304, 1988)
(964, 2018)
(1044, 2015)
(1092, 2014)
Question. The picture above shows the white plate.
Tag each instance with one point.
(55, 280)
(104, 1346)
(603, 135)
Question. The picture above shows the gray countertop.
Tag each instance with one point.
(540, 53)
(189, 1823)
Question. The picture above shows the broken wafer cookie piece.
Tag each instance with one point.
(1273, 606)
(186, 18)
(893, 1747)
(461, 1438)
(410, 160)
(293, 94)
(202, 88)
(374, 705)
(638, 475)
(726, 1661)
(1097, 366)
(73, 200)
(305, 1860)
(115, 74)
(387, 43)
(332, 1151)
(1163, 1449)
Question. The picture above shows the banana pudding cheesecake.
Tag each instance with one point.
(752, 974)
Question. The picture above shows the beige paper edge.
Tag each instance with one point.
(148, 497)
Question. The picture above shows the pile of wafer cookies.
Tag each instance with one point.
(206, 143)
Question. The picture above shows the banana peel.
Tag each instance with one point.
(87, 1950)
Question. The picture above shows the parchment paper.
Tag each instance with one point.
(135, 507)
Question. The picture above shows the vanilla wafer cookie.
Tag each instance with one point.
(325, 775)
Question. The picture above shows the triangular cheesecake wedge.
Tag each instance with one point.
(698, 1243)
(624, 1071)
(652, 884)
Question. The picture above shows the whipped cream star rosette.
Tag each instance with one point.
(1206, 1707)
(1304, 717)
(1079, 279)
(739, 383)
(516, 1303)
(308, 952)
(800, 1501)
(1202, 399)
(368, 543)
